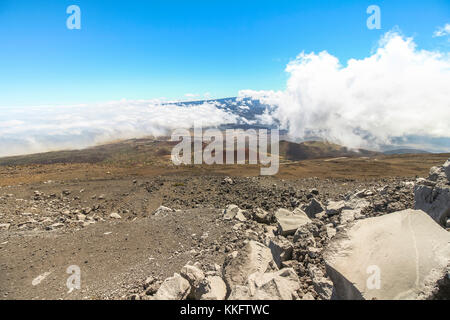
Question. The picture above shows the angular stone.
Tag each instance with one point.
(5, 226)
(262, 216)
(233, 212)
(407, 250)
(239, 292)
(115, 215)
(211, 288)
(331, 232)
(314, 207)
(173, 288)
(281, 249)
(322, 285)
(434, 200)
(446, 168)
(193, 275)
(308, 296)
(349, 215)
(336, 207)
(254, 257)
(163, 211)
(279, 285)
(289, 222)
(436, 173)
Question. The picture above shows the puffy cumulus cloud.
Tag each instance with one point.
(37, 129)
(398, 91)
(443, 31)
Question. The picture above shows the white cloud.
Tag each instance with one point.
(38, 129)
(396, 92)
(442, 31)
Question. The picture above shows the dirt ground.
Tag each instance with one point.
(58, 215)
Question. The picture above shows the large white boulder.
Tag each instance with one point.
(402, 255)
(289, 222)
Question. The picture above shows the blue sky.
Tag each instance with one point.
(152, 49)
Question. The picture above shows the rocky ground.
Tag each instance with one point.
(129, 236)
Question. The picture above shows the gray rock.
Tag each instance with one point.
(279, 285)
(308, 296)
(55, 226)
(227, 180)
(239, 292)
(193, 275)
(262, 216)
(406, 251)
(115, 215)
(5, 226)
(436, 173)
(163, 211)
(211, 288)
(254, 257)
(336, 207)
(331, 232)
(151, 285)
(433, 200)
(305, 235)
(233, 212)
(349, 215)
(281, 249)
(322, 285)
(289, 222)
(173, 288)
(446, 167)
(314, 207)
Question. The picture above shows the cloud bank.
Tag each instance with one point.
(398, 91)
(38, 129)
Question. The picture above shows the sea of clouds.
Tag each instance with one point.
(38, 129)
(397, 92)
